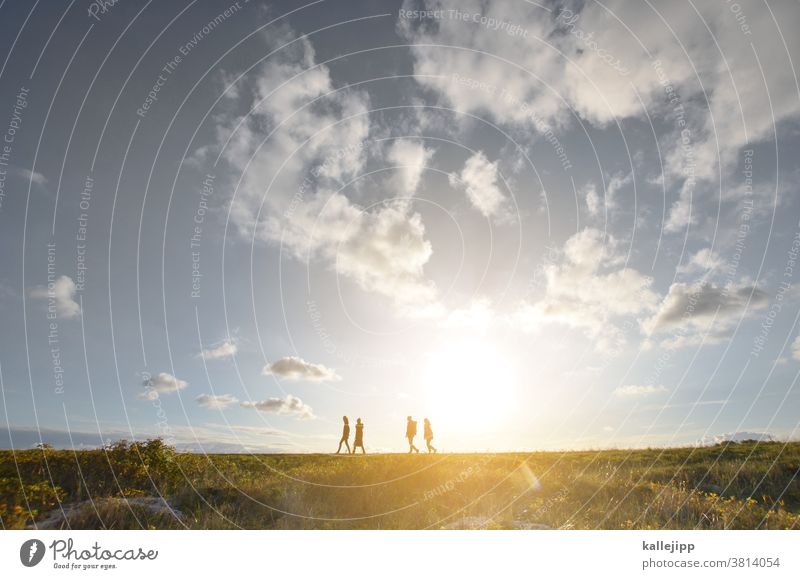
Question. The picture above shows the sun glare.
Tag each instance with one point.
(469, 386)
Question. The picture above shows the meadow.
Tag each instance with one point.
(749, 485)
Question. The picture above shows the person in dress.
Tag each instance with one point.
(359, 441)
(428, 433)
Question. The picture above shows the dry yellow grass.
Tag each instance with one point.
(740, 486)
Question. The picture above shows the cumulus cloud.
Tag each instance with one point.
(317, 145)
(410, 158)
(592, 199)
(635, 391)
(60, 297)
(680, 213)
(688, 309)
(587, 61)
(289, 406)
(226, 349)
(295, 368)
(162, 383)
(480, 178)
(590, 289)
(385, 252)
(216, 402)
(614, 186)
(701, 262)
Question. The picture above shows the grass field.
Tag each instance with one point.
(742, 486)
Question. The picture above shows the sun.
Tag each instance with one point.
(469, 385)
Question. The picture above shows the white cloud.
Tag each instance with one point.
(741, 436)
(688, 309)
(635, 391)
(216, 402)
(382, 251)
(162, 383)
(680, 213)
(590, 62)
(480, 177)
(295, 368)
(411, 159)
(701, 262)
(290, 406)
(615, 185)
(33, 176)
(226, 349)
(590, 290)
(59, 296)
(796, 348)
(317, 146)
(592, 199)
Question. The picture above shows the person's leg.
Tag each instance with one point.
(338, 450)
(348, 446)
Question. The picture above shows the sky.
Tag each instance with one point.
(541, 225)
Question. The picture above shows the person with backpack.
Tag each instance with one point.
(345, 435)
(411, 432)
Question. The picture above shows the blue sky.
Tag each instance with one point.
(541, 225)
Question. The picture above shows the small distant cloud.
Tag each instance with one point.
(592, 199)
(162, 383)
(737, 437)
(36, 178)
(480, 177)
(295, 368)
(633, 390)
(216, 402)
(59, 296)
(702, 261)
(226, 349)
(796, 348)
(290, 405)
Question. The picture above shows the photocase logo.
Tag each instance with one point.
(31, 553)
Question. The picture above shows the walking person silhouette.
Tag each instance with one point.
(411, 432)
(428, 434)
(345, 435)
(359, 441)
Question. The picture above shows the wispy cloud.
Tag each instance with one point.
(216, 402)
(295, 368)
(290, 405)
(634, 390)
(226, 349)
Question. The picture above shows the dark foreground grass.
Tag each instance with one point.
(741, 486)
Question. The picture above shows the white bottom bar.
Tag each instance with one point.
(417, 554)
